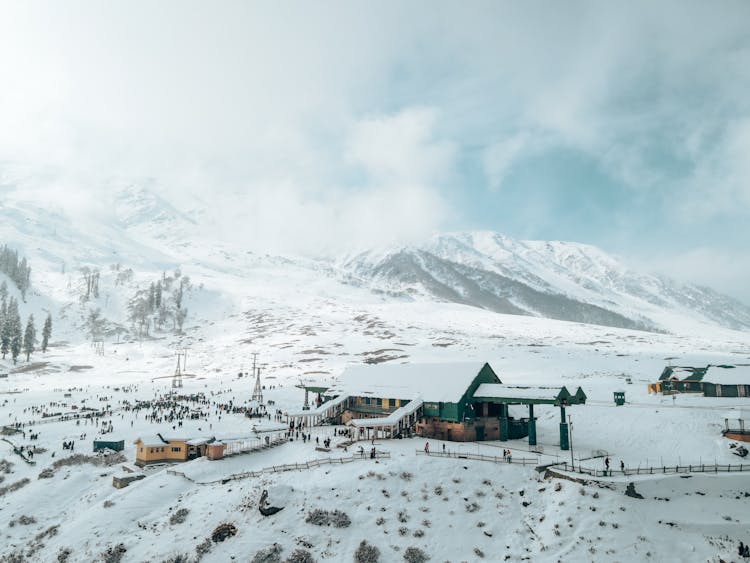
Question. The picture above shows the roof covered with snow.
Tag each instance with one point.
(507, 392)
(737, 375)
(443, 382)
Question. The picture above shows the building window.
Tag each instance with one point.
(176, 449)
(391, 402)
(367, 400)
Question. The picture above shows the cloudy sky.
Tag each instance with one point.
(304, 125)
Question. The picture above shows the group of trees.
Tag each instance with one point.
(161, 304)
(91, 282)
(12, 339)
(17, 270)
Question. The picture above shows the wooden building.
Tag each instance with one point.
(711, 381)
(159, 449)
(448, 401)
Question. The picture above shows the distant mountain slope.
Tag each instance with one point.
(137, 226)
(558, 280)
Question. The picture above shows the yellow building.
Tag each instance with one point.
(159, 449)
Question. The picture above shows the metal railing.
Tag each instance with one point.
(312, 464)
(481, 457)
(657, 470)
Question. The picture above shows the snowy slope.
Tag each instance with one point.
(562, 280)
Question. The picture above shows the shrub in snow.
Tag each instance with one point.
(179, 516)
(177, 558)
(5, 466)
(318, 517)
(415, 555)
(406, 476)
(403, 516)
(325, 518)
(380, 521)
(438, 490)
(478, 552)
(300, 556)
(47, 473)
(14, 486)
(403, 531)
(271, 554)
(15, 557)
(114, 554)
(472, 507)
(108, 504)
(203, 548)
(366, 553)
(26, 520)
(340, 519)
(418, 533)
(558, 486)
(63, 554)
(223, 532)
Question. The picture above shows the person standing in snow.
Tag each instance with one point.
(622, 466)
(606, 465)
(427, 448)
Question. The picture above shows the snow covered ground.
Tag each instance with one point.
(307, 324)
(525, 519)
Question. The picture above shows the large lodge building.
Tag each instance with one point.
(448, 401)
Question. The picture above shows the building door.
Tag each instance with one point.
(480, 433)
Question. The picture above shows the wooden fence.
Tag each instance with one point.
(481, 457)
(662, 470)
(312, 464)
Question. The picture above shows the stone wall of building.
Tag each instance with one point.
(459, 431)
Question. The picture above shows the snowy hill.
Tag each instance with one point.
(558, 280)
(137, 228)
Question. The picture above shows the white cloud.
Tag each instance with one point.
(499, 157)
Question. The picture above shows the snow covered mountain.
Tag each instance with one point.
(559, 280)
(142, 230)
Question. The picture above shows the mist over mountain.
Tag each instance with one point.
(552, 279)
(147, 233)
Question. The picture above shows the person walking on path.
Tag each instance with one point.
(606, 465)
(427, 448)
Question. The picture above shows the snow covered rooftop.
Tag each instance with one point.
(151, 440)
(738, 375)
(390, 420)
(500, 390)
(443, 382)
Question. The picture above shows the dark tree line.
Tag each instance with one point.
(13, 339)
(17, 270)
(160, 304)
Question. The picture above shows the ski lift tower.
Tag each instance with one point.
(177, 377)
(258, 390)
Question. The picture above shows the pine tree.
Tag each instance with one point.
(46, 332)
(16, 336)
(6, 330)
(29, 337)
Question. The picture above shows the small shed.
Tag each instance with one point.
(115, 446)
(215, 450)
